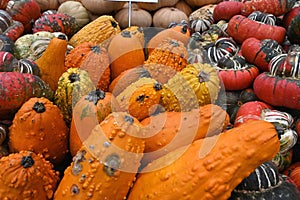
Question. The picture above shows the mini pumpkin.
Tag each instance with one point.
(27, 175)
(202, 18)
(39, 132)
(166, 15)
(106, 165)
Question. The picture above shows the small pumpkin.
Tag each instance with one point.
(88, 112)
(76, 10)
(39, 132)
(27, 175)
(106, 165)
(52, 62)
(219, 164)
(166, 15)
(72, 85)
(125, 52)
(97, 31)
(196, 85)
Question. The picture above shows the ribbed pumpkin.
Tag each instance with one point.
(72, 85)
(158, 5)
(96, 31)
(168, 131)
(92, 58)
(125, 52)
(26, 175)
(209, 168)
(101, 7)
(88, 112)
(165, 16)
(106, 166)
(42, 128)
(52, 62)
(196, 85)
(171, 53)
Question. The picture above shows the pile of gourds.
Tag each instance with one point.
(194, 100)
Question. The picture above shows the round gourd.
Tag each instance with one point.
(102, 7)
(196, 85)
(184, 7)
(75, 9)
(26, 175)
(158, 5)
(39, 132)
(166, 15)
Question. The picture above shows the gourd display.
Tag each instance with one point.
(52, 62)
(96, 31)
(106, 165)
(72, 86)
(88, 112)
(17, 88)
(213, 173)
(27, 175)
(39, 132)
(166, 15)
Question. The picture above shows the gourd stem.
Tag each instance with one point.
(27, 161)
(74, 77)
(39, 107)
(203, 77)
(95, 96)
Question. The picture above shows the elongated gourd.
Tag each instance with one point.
(209, 168)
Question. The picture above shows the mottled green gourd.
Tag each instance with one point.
(196, 85)
(72, 85)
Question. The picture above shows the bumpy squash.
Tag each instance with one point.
(39, 132)
(219, 164)
(72, 85)
(196, 85)
(88, 112)
(16, 88)
(168, 131)
(26, 175)
(52, 62)
(106, 165)
(96, 31)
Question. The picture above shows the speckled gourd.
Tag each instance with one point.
(106, 165)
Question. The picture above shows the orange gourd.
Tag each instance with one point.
(125, 52)
(106, 165)
(52, 62)
(209, 168)
(88, 112)
(26, 175)
(170, 130)
(39, 126)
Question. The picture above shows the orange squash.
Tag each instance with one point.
(52, 62)
(42, 128)
(106, 165)
(170, 130)
(125, 52)
(88, 112)
(26, 175)
(209, 168)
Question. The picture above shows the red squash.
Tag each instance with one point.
(240, 28)
(275, 7)
(260, 52)
(291, 23)
(24, 11)
(227, 9)
(3, 4)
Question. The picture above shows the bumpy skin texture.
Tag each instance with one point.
(240, 28)
(16, 88)
(210, 174)
(275, 7)
(17, 181)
